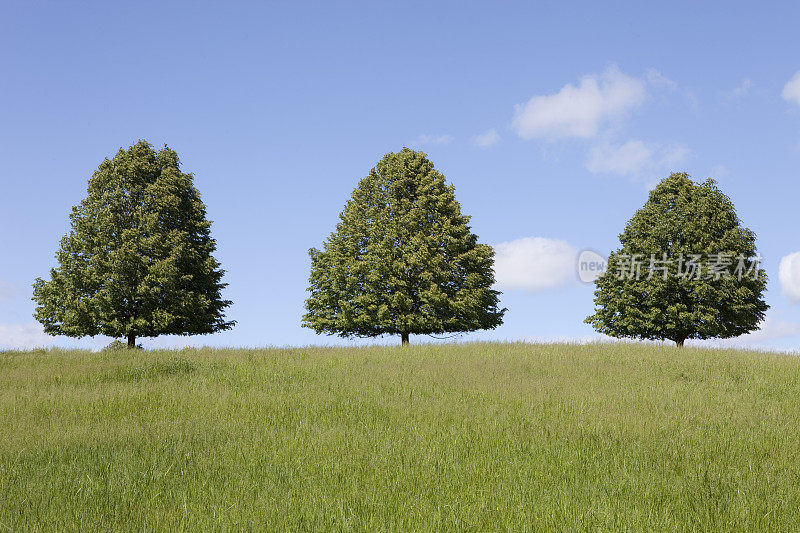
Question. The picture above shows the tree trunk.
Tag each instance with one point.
(679, 342)
(404, 337)
(131, 340)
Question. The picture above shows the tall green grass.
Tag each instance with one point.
(442, 437)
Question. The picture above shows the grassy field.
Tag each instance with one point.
(469, 437)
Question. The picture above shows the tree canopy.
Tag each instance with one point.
(687, 269)
(402, 260)
(137, 261)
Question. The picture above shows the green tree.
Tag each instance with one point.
(137, 261)
(687, 269)
(402, 260)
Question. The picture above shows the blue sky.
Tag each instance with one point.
(552, 120)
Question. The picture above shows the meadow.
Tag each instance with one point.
(435, 437)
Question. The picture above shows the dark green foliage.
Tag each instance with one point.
(402, 260)
(681, 219)
(138, 260)
(117, 345)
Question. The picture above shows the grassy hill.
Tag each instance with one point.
(478, 436)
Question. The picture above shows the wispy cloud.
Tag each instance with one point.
(595, 109)
(534, 263)
(741, 90)
(23, 336)
(718, 172)
(486, 139)
(426, 139)
(789, 276)
(656, 79)
(579, 111)
(791, 91)
(635, 158)
(769, 334)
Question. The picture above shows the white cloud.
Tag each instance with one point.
(534, 263)
(625, 159)
(434, 139)
(789, 275)
(671, 155)
(768, 336)
(741, 90)
(635, 158)
(579, 111)
(23, 336)
(486, 139)
(655, 78)
(772, 330)
(718, 172)
(791, 91)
